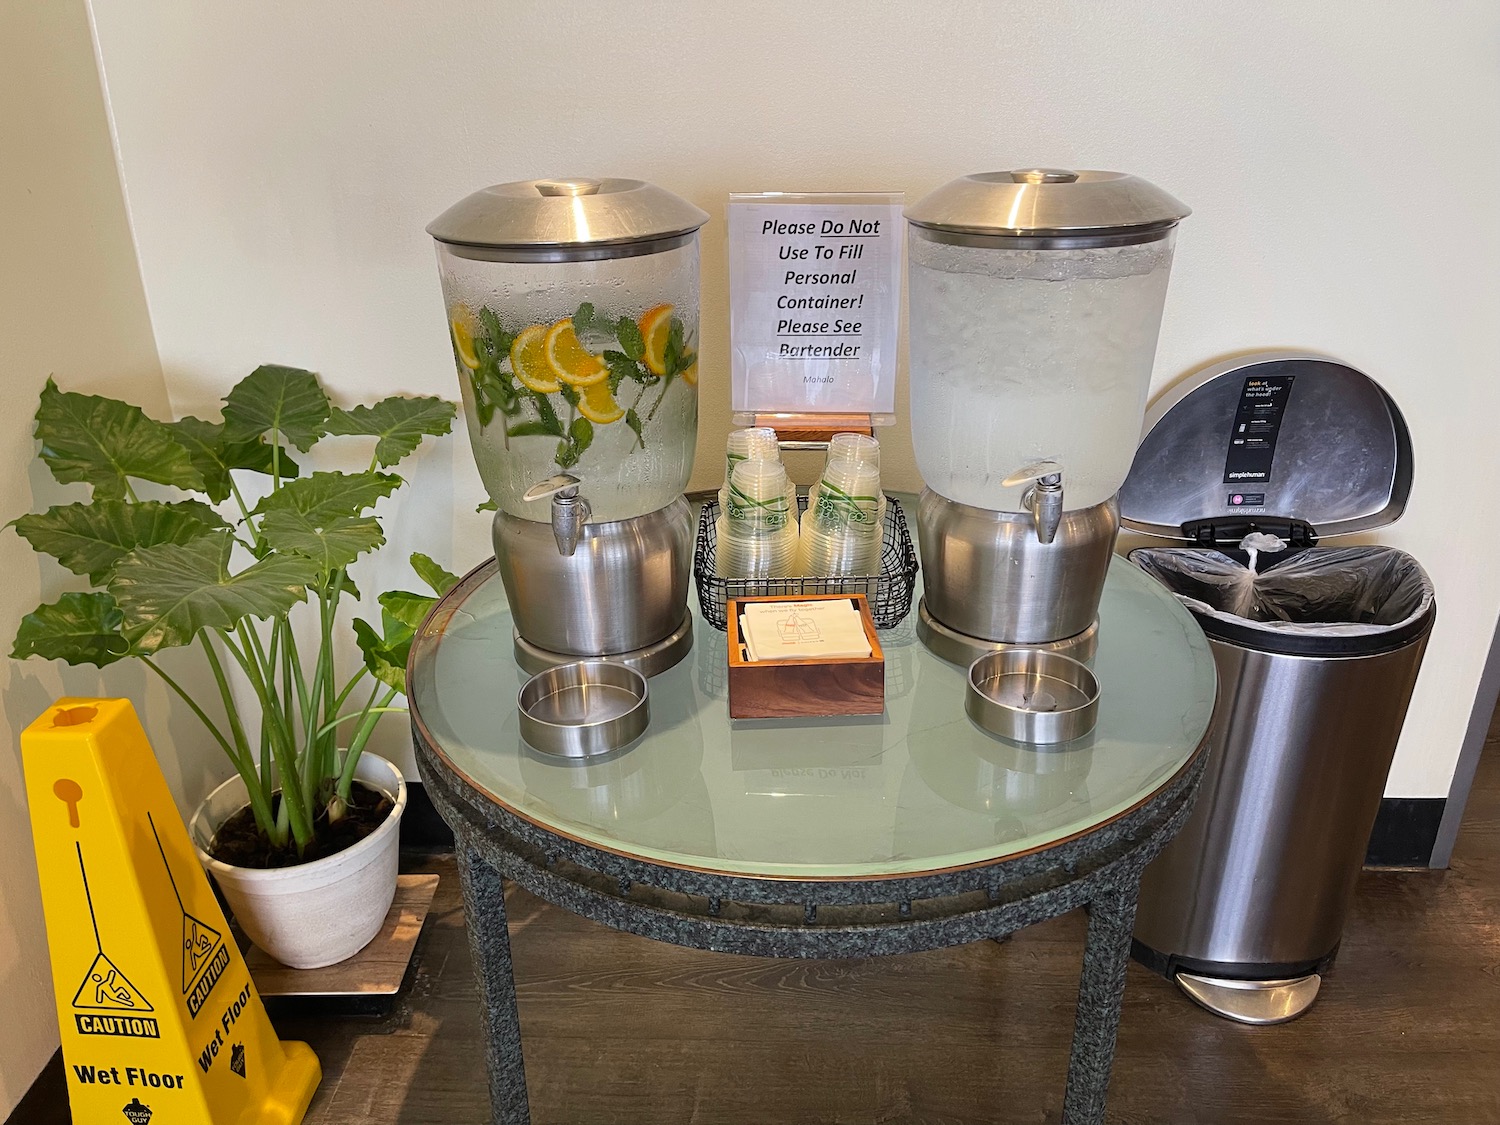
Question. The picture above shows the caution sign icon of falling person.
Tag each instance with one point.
(106, 989)
(157, 1010)
(204, 956)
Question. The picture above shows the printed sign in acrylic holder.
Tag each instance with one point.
(815, 305)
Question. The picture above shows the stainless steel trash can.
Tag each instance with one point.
(1317, 651)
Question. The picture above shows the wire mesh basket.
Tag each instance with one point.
(889, 592)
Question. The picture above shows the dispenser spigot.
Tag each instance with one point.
(570, 511)
(1044, 499)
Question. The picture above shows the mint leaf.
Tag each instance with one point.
(545, 412)
(621, 367)
(531, 429)
(569, 393)
(633, 420)
(628, 332)
(583, 319)
(499, 338)
(582, 433)
(103, 442)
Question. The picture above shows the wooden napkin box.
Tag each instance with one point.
(800, 688)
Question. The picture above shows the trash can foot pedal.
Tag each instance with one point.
(1257, 1002)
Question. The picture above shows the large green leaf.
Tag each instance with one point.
(272, 398)
(102, 442)
(400, 424)
(337, 544)
(213, 456)
(78, 628)
(385, 656)
(171, 592)
(406, 608)
(432, 574)
(91, 538)
(326, 497)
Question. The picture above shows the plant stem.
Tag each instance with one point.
(259, 786)
(361, 736)
(193, 705)
(294, 804)
(239, 499)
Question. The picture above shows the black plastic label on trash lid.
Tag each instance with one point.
(1257, 422)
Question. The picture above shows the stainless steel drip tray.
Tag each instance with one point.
(1030, 695)
(584, 708)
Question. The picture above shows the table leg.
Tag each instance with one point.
(489, 946)
(1100, 992)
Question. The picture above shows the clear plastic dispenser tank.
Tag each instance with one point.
(573, 309)
(1036, 298)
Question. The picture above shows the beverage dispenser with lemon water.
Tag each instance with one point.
(573, 310)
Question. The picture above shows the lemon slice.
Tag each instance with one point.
(569, 360)
(656, 326)
(599, 406)
(528, 359)
(690, 376)
(463, 343)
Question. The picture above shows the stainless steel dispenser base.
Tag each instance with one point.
(1258, 1002)
(649, 661)
(962, 649)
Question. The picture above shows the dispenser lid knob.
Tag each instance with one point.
(1044, 176)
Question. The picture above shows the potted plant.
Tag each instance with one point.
(250, 568)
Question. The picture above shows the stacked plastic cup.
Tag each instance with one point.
(848, 447)
(757, 529)
(842, 529)
(758, 444)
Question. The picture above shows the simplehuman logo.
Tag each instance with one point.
(137, 1113)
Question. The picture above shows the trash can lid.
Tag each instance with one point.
(1300, 446)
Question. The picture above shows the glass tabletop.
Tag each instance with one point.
(919, 789)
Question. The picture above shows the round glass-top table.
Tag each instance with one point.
(823, 837)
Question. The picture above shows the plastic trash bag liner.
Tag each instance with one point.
(1323, 591)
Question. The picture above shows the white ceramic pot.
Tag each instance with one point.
(316, 913)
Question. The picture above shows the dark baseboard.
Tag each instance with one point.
(421, 827)
(1406, 832)
(46, 1102)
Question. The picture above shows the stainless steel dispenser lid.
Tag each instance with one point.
(569, 219)
(1047, 205)
(1301, 446)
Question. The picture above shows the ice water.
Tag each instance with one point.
(1021, 355)
(635, 454)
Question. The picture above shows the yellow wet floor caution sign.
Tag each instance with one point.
(161, 1024)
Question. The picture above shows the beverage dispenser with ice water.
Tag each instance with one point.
(1036, 297)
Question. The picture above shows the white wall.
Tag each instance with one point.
(281, 160)
(71, 306)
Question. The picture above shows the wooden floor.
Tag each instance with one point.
(621, 1029)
